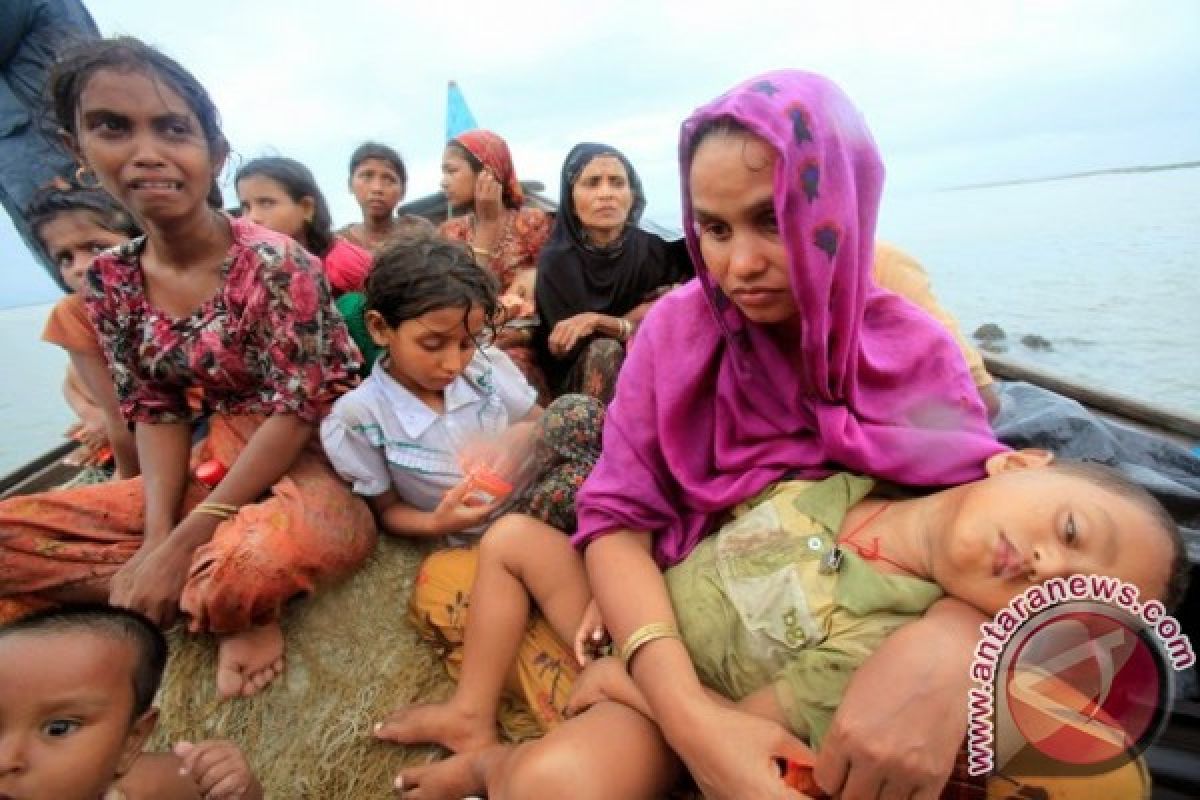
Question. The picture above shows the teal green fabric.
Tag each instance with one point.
(353, 308)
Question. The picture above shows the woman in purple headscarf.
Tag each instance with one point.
(782, 360)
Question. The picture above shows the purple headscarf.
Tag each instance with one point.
(710, 410)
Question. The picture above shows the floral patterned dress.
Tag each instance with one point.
(269, 341)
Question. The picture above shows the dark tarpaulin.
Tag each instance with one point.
(32, 35)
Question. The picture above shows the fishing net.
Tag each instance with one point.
(352, 656)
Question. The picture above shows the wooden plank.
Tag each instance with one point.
(25, 479)
(1174, 420)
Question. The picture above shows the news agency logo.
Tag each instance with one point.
(1074, 678)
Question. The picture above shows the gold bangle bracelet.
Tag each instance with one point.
(213, 512)
(479, 251)
(644, 635)
(221, 511)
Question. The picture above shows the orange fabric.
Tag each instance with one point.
(69, 327)
(545, 667)
(899, 272)
(310, 529)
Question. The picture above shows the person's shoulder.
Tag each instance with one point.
(112, 271)
(688, 297)
(681, 314)
(360, 405)
(413, 225)
(121, 258)
(68, 305)
(486, 366)
(259, 249)
(345, 251)
(351, 304)
(888, 258)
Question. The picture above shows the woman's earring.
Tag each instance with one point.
(86, 179)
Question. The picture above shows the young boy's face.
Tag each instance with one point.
(66, 700)
(74, 239)
(1022, 526)
(377, 187)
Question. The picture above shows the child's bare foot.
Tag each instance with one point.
(450, 779)
(248, 661)
(459, 729)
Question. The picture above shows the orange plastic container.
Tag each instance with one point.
(487, 486)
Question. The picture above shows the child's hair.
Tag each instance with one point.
(49, 202)
(71, 74)
(383, 153)
(298, 182)
(1112, 480)
(110, 622)
(416, 275)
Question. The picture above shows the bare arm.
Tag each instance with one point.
(731, 753)
(153, 580)
(76, 401)
(904, 716)
(93, 372)
(163, 450)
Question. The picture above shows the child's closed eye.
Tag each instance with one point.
(1070, 530)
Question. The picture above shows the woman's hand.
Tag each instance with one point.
(734, 755)
(152, 581)
(92, 434)
(489, 198)
(605, 679)
(591, 636)
(569, 332)
(903, 718)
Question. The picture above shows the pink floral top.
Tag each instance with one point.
(270, 341)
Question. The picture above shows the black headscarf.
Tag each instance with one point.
(575, 276)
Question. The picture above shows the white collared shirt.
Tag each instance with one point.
(380, 435)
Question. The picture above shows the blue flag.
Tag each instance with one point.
(459, 118)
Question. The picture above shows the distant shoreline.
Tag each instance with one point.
(1088, 174)
(35, 304)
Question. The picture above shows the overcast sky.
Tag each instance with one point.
(955, 92)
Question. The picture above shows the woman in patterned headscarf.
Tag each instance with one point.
(600, 273)
(505, 236)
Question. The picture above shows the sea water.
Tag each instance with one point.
(1105, 268)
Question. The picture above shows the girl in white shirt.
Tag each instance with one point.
(397, 438)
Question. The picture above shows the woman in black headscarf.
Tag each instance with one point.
(599, 273)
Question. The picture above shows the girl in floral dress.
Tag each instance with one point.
(203, 301)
